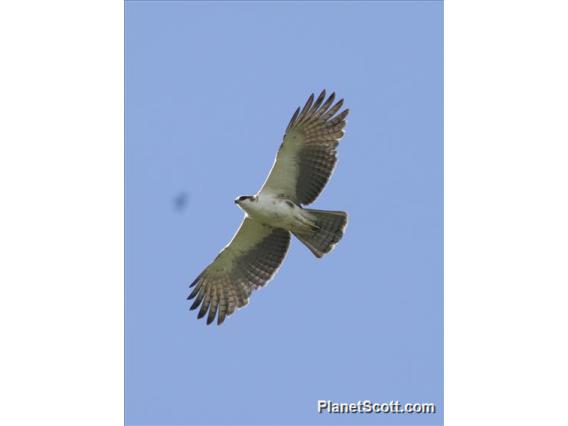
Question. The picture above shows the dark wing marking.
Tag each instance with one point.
(307, 156)
(248, 262)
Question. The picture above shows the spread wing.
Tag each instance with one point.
(249, 261)
(307, 156)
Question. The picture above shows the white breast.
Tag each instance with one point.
(272, 211)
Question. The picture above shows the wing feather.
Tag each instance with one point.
(206, 302)
(214, 303)
(307, 156)
(294, 117)
(318, 102)
(306, 108)
(326, 105)
(248, 262)
(199, 297)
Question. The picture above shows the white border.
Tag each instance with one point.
(61, 227)
(506, 212)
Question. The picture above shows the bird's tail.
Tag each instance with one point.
(326, 232)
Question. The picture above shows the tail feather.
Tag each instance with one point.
(326, 232)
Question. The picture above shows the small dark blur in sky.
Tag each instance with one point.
(181, 201)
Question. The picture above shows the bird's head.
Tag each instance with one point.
(245, 200)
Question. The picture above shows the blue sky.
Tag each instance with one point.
(209, 89)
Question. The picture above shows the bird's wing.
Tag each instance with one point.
(307, 156)
(249, 261)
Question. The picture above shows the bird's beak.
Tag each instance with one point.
(236, 201)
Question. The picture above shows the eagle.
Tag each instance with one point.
(303, 165)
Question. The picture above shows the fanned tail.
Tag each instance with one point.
(328, 230)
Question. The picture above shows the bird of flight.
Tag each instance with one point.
(303, 165)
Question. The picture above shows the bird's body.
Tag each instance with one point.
(303, 165)
(279, 212)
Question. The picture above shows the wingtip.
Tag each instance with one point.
(203, 310)
(195, 305)
(329, 101)
(195, 281)
(318, 101)
(294, 117)
(211, 316)
(308, 104)
(193, 293)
